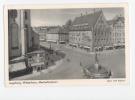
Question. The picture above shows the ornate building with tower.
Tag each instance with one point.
(90, 32)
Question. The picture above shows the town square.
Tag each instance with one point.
(82, 43)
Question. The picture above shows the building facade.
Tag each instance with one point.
(42, 31)
(63, 35)
(90, 32)
(52, 35)
(35, 40)
(118, 31)
(57, 35)
(20, 35)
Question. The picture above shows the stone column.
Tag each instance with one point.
(22, 33)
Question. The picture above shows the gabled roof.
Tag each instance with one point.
(91, 19)
(120, 19)
(113, 21)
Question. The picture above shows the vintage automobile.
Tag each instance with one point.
(36, 60)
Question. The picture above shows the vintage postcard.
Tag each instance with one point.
(66, 44)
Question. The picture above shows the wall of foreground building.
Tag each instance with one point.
(21, 38)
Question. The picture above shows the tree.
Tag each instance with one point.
(68, 24)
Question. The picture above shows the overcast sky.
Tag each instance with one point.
(60, 16)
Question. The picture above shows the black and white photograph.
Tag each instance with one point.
(67, 49)
(66, 43)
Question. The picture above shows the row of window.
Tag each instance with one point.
(80, 27)
(120, 39)
(118, 30)
(118, 34)
(102, 33)
(119, 25)
(75, 38)
(79, 33)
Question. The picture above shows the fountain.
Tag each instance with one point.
(96, 71)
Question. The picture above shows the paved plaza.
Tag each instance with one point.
(70, 67)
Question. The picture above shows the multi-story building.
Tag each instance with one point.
(90, 32)
(42, 31)
(20, 35)
(35, 40)
(118, 33)
(63, 35)
(52, 35)
(57, 35)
